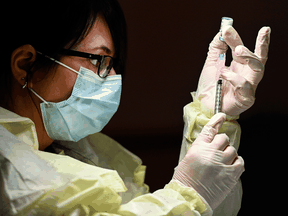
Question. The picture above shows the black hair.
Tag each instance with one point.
(50, 25)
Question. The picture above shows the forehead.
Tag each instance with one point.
(99, 38)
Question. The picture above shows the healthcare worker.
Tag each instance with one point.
(61, 84)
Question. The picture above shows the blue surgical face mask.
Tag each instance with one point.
(91, 105)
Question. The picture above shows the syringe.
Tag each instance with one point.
(221, 63)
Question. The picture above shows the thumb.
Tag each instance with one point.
(244, 91)
(231, 37)
(210, 130)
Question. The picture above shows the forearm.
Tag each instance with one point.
(97, 190)
(174, 199)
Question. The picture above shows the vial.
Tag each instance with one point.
(226, 21)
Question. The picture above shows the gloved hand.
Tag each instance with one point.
(211, 166)
(241, 78)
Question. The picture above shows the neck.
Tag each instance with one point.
(27, 105)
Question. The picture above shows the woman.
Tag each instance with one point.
(60, 86)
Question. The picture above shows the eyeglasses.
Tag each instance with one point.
(103, 63)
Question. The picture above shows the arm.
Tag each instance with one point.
(40, 183)
(239, 85)
(83, 189)
(177, 198)
(87, 190)
(240, 81)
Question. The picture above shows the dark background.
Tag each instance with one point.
(168, 44)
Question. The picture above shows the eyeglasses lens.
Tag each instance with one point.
(105, 67)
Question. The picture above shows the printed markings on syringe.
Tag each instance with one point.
(218, 96)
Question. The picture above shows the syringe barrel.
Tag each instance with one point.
(218, 97)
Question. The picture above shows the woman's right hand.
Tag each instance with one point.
(211, 166)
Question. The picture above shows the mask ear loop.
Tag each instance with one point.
(58, 62)
(38, 96)
(26, 85)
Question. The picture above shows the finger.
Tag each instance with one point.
(230, 155)
(238, 166)
(249, 58)
(232, 77)
(211, 128)
(216, 47)
(244, 91)
(262, 44)
(220, 142)
(231, 37)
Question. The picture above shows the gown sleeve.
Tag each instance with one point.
(40, 183)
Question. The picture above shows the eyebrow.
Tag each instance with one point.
(104, 48)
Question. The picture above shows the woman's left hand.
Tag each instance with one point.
(241, 79)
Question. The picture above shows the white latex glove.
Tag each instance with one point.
(211, 166)
(241, 78)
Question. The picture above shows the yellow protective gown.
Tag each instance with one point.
(95, 176)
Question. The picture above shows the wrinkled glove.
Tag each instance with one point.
(241, 78)
(211, 166)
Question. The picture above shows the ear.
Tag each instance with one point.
(22, 59)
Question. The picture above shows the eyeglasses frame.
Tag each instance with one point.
(100, 58)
